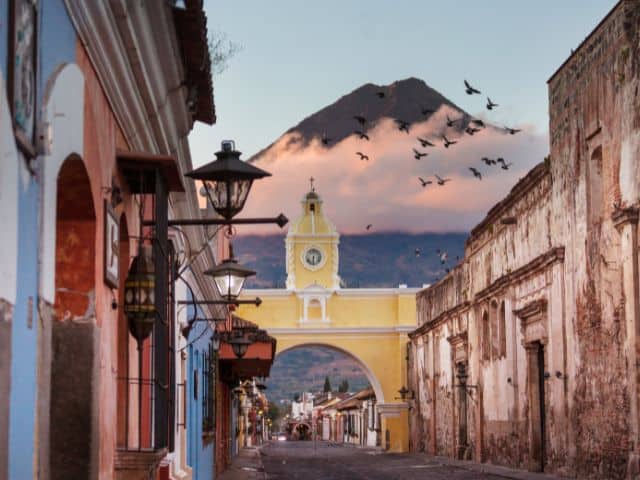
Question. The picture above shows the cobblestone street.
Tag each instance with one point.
(328, 461)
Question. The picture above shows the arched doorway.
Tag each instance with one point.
(74, 365)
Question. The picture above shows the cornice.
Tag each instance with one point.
(532, 309)
(340, 330)
(440, 319)
(536, 265)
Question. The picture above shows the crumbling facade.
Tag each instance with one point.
(526, 353)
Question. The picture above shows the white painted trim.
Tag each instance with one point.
(391, 410)
(64, 110)
(345, 292)
(365, 292)
(9, 182)
(365, 331)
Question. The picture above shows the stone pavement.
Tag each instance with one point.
(331, 461)
(246, 466)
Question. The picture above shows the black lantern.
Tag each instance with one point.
(227, 180)
(404, 393)
(229, 277)
(139, 294)
(239, 345)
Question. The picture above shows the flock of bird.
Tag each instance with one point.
(473, 127)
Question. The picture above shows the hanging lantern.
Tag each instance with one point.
(139, 294)
(227, 180)
(239, 345)
(229, 277)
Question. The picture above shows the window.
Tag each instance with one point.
(503, 330)
(486, 336)
(208, 390)
(495, 331)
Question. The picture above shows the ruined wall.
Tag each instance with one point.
(595, 142)
(547, 294)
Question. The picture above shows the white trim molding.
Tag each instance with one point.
(64, 111)
(390, 410)
(356, 331)
(9, 181)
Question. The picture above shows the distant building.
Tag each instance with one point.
(527, 352)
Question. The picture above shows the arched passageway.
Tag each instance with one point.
(74, 365)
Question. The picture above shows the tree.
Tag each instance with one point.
(327, 385)
(221, 50)
(344, 386)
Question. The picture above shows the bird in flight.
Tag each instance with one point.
(363, 156)
(361, 134)
(425, 143)
(476, 173)
(380, 94)
(426, 111)
(488, 161)
(442, 181)
(360, 119)
(471, 130)
(368, 227)
(325, 139)
(512, 131)
(469, 89)
(402, 125)
(418, 155)
(451, 122)
(505, 165)
(425, 182)
(490, 104)
(478, 123)
(448, 142)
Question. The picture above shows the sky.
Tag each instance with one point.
(298, 57)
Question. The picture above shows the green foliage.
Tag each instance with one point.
(274, 412)
(344, 386)
(327, 385)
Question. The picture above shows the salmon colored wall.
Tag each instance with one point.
(102, 136)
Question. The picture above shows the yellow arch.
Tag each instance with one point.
(373, 380)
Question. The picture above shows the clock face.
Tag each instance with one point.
(313, 257)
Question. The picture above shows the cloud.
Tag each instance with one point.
(385, 191)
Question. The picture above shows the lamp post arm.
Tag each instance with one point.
(280, 220)
(256, 301)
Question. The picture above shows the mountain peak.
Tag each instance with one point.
(409, 99)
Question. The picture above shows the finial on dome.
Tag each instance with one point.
(311, 180)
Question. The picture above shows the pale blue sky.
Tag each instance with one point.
(300, 56)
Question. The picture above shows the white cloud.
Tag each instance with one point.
(385, 191)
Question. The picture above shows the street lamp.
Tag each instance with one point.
(229, 277)
(227, 180)
(239, 346)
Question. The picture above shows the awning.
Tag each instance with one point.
(258, 359)
(138, 169)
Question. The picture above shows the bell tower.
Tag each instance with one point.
(312, 248)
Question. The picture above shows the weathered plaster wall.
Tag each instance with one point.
(561, 252)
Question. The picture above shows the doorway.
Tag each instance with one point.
(537, 421)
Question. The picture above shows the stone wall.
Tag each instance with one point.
(543, 310)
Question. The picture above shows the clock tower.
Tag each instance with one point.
(312, 248)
